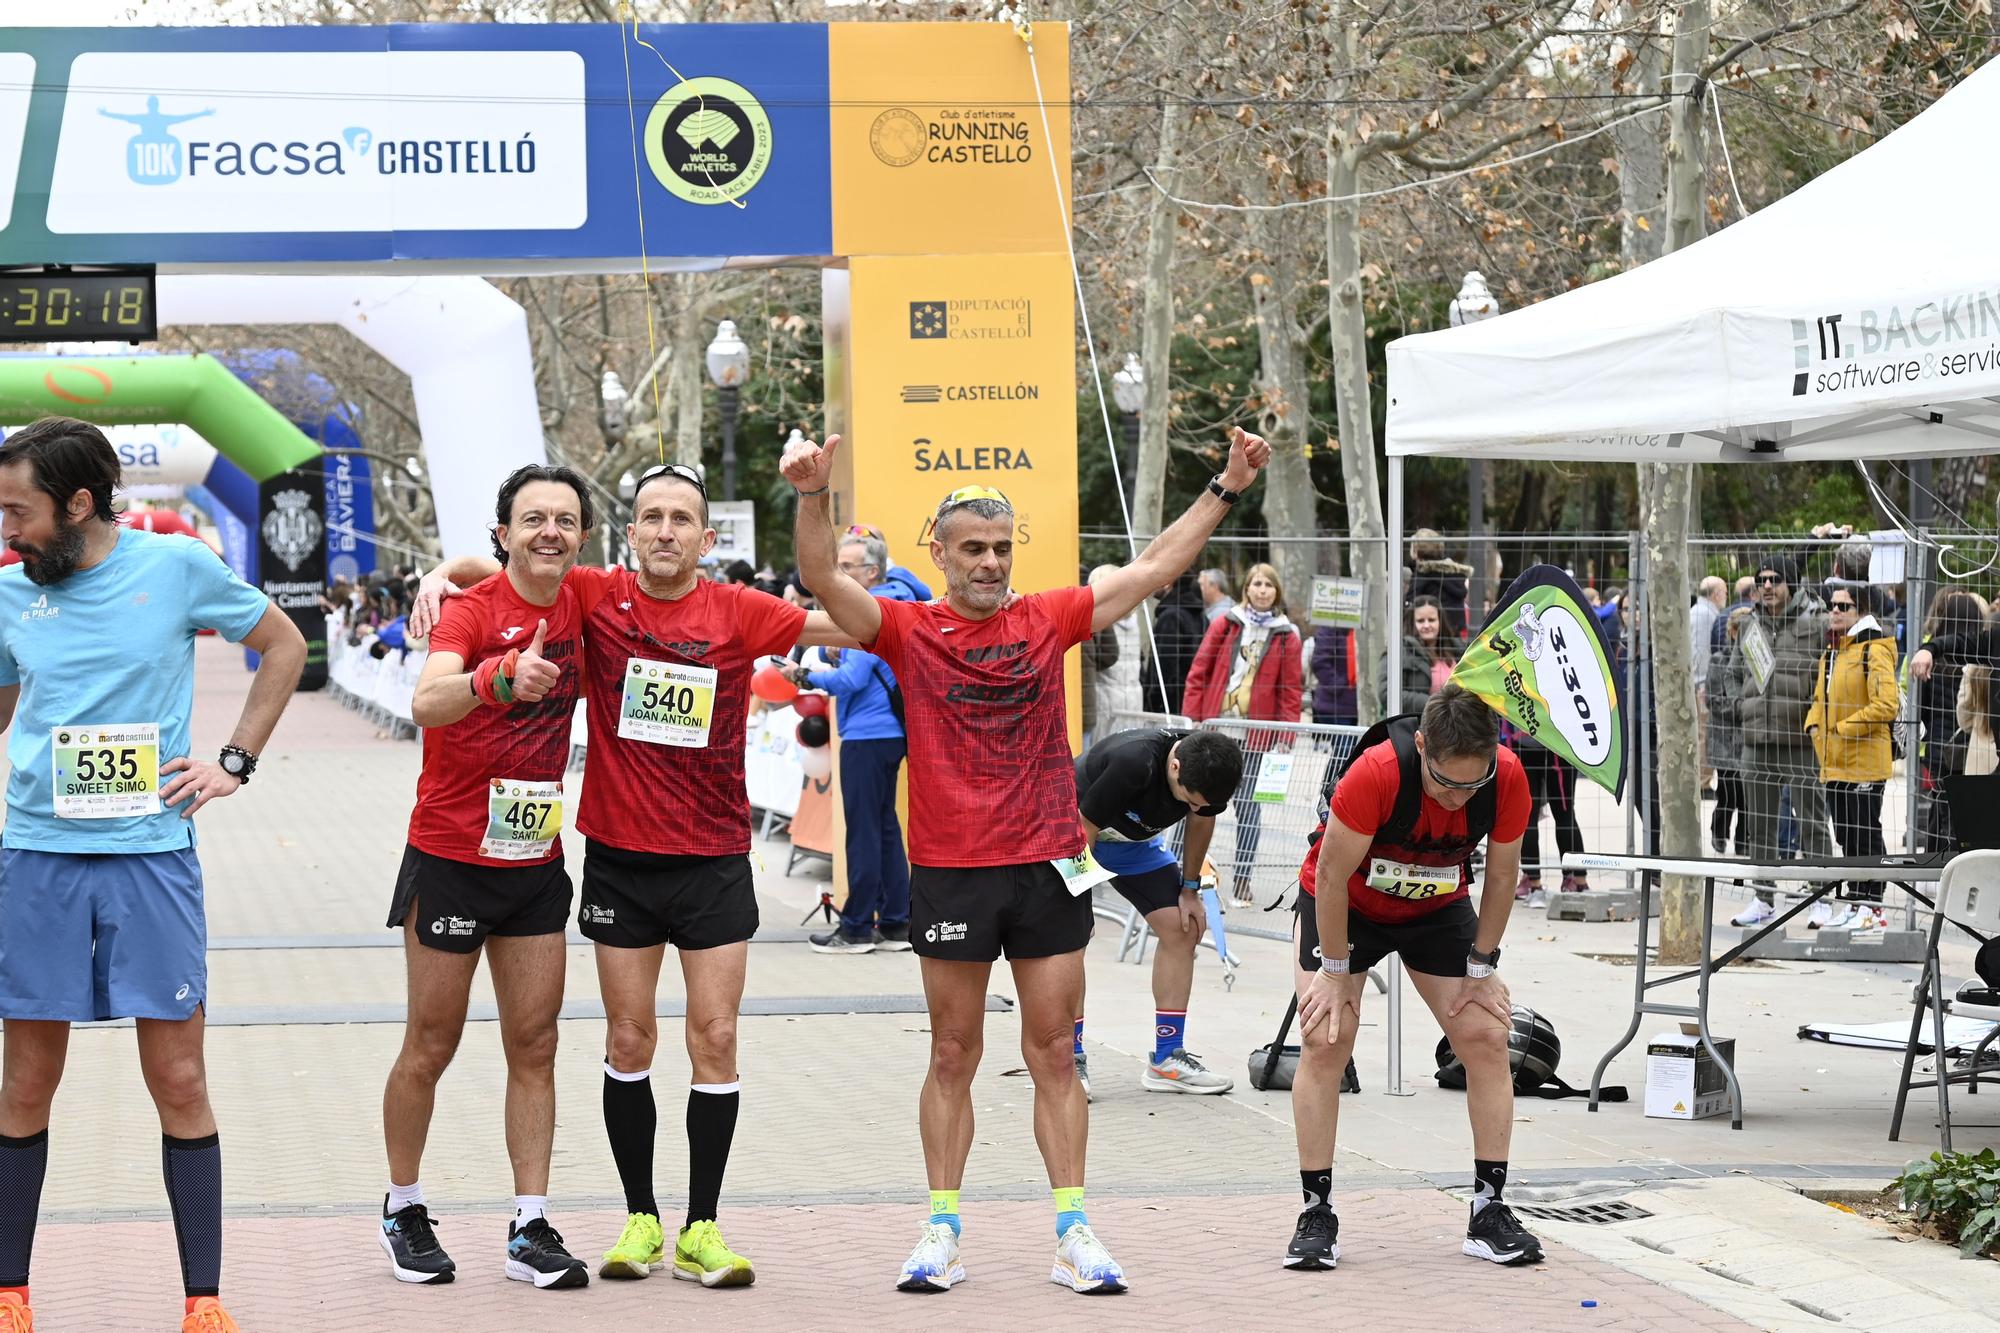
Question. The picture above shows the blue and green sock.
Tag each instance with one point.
(944, 1211)
(1069, 1208)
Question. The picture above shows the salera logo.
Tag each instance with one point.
(708, 141)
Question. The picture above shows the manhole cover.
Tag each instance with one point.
(1600, 1214)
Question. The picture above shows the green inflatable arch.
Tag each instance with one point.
(197, 391)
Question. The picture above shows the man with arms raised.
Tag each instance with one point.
(666, 823)
(101, 901)
(1129, 788)
(1389, 874)
(484, 871)
(993, 807)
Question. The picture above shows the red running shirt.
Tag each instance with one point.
(991, 778)
(664, 786)
(522, 742)
(1365, 797)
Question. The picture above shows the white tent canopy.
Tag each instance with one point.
(1857, 317)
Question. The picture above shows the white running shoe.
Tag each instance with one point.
(1181, 1072)
(1084, 1265)
(934, 1265)
(1756, 913)
(1841, 917)
(1820, 916)
(1538, 897)
(1870, 920)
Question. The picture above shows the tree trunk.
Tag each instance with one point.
(1288, 492)
(1636, 143)
(1348, 331)
(1156, 322)
(684, 369)
(1666, 493)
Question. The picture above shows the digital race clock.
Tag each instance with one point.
(77, 305)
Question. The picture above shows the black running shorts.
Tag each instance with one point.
(1150, 890)
(634, 900)
(974, 914)
(1435, 943)
(458, 904)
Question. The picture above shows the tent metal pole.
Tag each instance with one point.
(1392, 703)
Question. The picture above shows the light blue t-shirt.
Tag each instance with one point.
(110, 646)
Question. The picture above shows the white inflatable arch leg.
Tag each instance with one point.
(462, 342)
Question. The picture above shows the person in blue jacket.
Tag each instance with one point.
(872, 747)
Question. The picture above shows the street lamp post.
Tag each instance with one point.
(728, 364)
(1475, 302)
(1128, 390)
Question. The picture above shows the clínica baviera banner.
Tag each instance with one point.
(1541, 662)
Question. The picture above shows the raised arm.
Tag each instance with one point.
(809, 467)
(447, 580)
(1168, 555)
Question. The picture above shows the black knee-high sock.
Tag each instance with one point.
(23, 1164)
(1489, 1181)
(711, 1127)
(193, 1168)
(630, 1122)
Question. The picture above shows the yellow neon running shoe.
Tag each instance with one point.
(208, 1316)
(640, 1245)
(700, 1256)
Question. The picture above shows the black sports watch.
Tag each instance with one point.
(1221, 492)
(238, 762)
(1479, 959)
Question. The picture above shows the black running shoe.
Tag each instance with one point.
(1315, 1241)
(1498, 1237)
(412, 1246)
(839, 941)
(892, 939)
(535, 1254)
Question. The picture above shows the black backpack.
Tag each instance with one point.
(1401, 731)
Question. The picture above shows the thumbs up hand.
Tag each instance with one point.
(534, 675)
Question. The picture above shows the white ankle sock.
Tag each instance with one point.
(402, 1196)
(528, 1207)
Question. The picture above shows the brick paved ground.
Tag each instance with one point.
(1195, 1195)
(1194, 1263)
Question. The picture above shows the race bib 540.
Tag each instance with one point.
(666, 703)
(108, 772)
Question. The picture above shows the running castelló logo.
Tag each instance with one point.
(153, 156)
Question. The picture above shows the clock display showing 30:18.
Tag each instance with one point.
(77, 307)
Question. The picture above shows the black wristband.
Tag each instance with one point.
(821, 491)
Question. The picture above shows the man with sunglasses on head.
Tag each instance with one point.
(665, 817)
(993, 814)
(1389, 873)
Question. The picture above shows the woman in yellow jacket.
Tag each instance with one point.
(1855, 702)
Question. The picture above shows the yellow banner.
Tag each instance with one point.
(938, 138)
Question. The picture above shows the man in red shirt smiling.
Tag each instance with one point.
(993, 816)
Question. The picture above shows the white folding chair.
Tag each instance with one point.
(1968, 896)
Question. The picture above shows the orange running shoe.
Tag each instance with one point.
(208, 1316)
(15, 1316)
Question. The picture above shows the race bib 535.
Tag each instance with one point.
(110, 772)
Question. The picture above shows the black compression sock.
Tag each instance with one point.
(1318, 1187)
(1489, 1181)
(23, 1164)
(630, 1122)
(711, 1127)
(193, 1168)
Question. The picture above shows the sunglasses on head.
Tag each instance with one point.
(966, 495)
(680, 471)
(1443, 781)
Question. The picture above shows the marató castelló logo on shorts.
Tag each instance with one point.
(945, 932)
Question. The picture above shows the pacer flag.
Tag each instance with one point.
(1541, 662)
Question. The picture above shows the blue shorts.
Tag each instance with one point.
(88, 937)
(1133, 858)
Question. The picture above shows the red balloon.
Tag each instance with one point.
(769, 685)
(810, 705)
